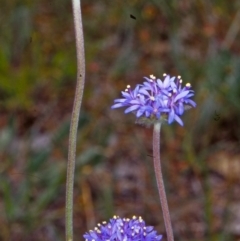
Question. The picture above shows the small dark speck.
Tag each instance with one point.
(216, 116)
(132, 16)
(149, 155)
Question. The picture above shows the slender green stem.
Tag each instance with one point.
(75, 117)
(160, 184)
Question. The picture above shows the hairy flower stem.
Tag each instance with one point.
(75, 117)
(160, 184)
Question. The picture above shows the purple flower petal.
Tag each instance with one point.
(139, 113)
(135, 91)
(180, 108)
(134, 102)
(131, 108)
(144, 91)
(147, 85)
(126, 94)
(158, 114)
(189, 95)
(120, 100)
(171, 116)
(160, 83)
(117, 106)
(166, 82)
(177, 118)
(181, 95)
(191, 102)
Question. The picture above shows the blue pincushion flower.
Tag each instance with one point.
(156, 100)
(118, 229)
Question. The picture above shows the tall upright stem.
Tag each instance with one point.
(75, 117)
(160, 184)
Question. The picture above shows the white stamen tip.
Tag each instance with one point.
(188, 85)
(128, 86)
(152, 76)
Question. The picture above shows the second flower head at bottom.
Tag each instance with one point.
(123, 229)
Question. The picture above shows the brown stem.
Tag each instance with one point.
(159, 178)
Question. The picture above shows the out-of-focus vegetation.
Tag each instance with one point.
(198, 40)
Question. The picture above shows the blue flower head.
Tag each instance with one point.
(118, 229)
(156, 100)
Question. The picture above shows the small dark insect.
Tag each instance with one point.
(132, 16)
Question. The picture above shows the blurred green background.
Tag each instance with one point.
(198, 40)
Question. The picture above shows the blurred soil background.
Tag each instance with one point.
(199, 40)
